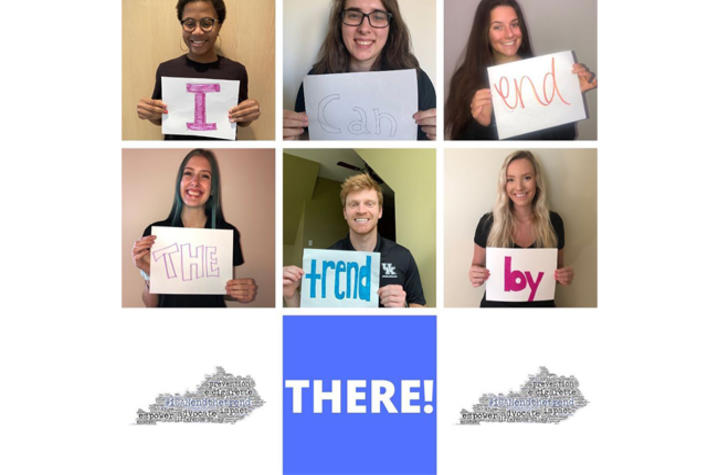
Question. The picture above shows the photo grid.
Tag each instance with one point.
(351, 228)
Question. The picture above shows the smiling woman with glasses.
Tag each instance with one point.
(201, 22)
(367, 35)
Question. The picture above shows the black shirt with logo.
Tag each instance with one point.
(397, 267)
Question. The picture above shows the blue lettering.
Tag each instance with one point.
(313, 276)
(355, 267)
(341, 267)
(325, 265)
(364, 279)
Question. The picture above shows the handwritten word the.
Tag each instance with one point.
(503, 89)
(516, 281)
(355, 391)
(200, 106)
(359, 126)
(351, 280)
(181, 261)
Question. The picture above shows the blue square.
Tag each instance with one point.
(381, 351)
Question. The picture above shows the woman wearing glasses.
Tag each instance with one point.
(201, 21)
(499, 35)
(367, 35)
(197, 203)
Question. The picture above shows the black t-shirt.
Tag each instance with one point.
(481, 236)
(183, 67)
(427, 97)
(397, 267)
(183, 300)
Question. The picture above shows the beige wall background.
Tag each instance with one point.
(247, 180)
(554, 25)
(470, 191)
(301, 43)
(152, 34)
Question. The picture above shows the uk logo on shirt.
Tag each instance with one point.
(389, 270)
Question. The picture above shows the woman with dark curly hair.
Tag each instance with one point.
(201, 21)
(197, 204)
(499, 35)
(367, 35)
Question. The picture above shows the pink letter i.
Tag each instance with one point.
(200, 113)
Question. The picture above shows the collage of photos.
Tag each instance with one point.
(354, 186)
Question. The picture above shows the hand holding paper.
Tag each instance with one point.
(536, 93)
(141, 253)
(199, 107)
(392, 296)
(242, 290)
(362, 106)
(521, 275)
(151, 109)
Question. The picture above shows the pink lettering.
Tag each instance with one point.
(200, 106)
(516, 281)
(503, 89)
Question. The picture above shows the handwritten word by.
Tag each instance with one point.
(516, 281)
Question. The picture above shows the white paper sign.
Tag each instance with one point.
(190, 260)
(520, 275)
(340, 278)
(376, 105)
(199, 107)
(535, 94)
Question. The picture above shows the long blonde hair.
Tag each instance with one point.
(503, 226)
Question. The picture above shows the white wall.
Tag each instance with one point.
(306, 24)
(554, 25)
(470, 191)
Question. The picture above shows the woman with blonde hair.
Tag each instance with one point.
(520, 219)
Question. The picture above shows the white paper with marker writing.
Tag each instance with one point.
(190, 260)
(376, 105)
(520, 275)
(340, 278)
(185, 107)
(536, 107)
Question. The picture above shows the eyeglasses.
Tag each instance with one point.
(206, 24)
(377, 18)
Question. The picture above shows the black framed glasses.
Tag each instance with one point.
(355, 17)
(206, 24)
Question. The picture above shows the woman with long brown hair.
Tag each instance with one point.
(499, 35)
(520, 219)
(367, 35)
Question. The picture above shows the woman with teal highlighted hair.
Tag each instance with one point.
(197, 203)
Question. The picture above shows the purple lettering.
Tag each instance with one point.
(192, 262)
(211, 261)
(166, 255)
(200, 106)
